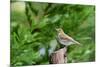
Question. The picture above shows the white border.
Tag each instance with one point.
(5, 34)
(84, 2)
(86, 64)
(97, 32)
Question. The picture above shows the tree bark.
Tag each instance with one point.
(59, 56)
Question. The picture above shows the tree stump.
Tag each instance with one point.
(58, 57)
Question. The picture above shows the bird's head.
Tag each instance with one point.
(59, 30)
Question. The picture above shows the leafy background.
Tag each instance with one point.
(33, 31)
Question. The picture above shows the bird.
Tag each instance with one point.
(64, 39)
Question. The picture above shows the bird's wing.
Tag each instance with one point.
(76, 42)
(66, 37)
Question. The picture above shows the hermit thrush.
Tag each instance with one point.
(64, 39)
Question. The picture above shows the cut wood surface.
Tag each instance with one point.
(59, 56)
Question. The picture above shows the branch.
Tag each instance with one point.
(58, 57)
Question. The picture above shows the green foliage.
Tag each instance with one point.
(33, 31)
